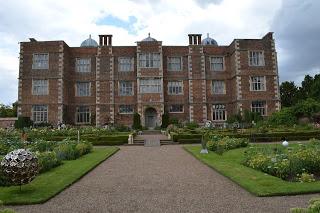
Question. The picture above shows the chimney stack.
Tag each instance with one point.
(105, 40)
(194, 39)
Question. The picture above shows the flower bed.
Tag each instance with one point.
(222, 144)
(298, 163)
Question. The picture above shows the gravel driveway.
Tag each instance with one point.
(159, 179)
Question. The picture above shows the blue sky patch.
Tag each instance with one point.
(114, 21)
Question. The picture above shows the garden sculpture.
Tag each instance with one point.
(20, 166)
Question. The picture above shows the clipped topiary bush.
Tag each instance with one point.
(136, 121)
(23, 122)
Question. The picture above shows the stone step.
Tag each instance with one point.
(139, 142)
(151, 132)
(168, 142)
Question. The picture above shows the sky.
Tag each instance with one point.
(295, 24)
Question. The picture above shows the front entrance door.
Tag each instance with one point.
(150, 118)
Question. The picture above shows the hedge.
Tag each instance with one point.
(189, 140)
(107, 140)
(257, 137)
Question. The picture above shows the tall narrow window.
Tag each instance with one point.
(174, 64)
(125, 88)
(150, 85)
(40, 87)
(149, 60)
(83, 115)
(175, 87)
(40, 61)
(83, 64)
(40, 113)
(258, 83)
(126, 109)
(216, 63)
(83, 89)
(219, 112)
(259, 107)
(218, 87)
(256, 58)
(125, 64)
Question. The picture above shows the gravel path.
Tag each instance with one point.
(159, 179)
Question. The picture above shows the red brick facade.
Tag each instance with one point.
(197, 97)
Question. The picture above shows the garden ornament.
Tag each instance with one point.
(204, 146)
(20, 166)
(285, 143)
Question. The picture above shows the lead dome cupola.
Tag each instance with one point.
(89, 42)
(209, 41)
(148, 38)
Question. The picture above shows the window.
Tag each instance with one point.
(218, 87)
(125, 64)
(40, 87)
(125, 88)
(83, 115)
(83, 89)
(175, 87)
(149, 60)
(176, 108)
(40, 61)
(216, 63)
(174, 63)
(256, 58)
(259, 107)
(83, 64)
(40, 113)
(257, 83)
(219, 112)
(125, 109)
(150, 85)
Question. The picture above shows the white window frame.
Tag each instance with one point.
(219, 111)
(83, 65)
(171, 108)
(39, 64)
(83, 115)
(152, 87)
(127, 106)
(212, 63)
(125, 91)
(78, 91)
(175, 87)
(125, 64)
(257, 83)
(170, 63)
(40, 87)
(256, 61)
(39, 113)
(149, 60)
(259, 109)
(213, 87)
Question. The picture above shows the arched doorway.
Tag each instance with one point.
(150, 118)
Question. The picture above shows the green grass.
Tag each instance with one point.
(256, 182)
(50, 183)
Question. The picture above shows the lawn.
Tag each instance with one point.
(258, 183)
(50, 183)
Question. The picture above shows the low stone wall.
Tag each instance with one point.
(7, 122)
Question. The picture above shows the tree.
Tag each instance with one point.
(8, 111)
(288, 93)
(136, 121)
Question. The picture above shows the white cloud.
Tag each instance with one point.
(166, 20)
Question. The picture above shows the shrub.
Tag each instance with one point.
(66, 150)
(192, 125)
(83, 148)
(306, 178)
(42, 145)
(284, 117)
(220, 145)
(165, 120)
(23, 122)
(136, 121)
(47, 160)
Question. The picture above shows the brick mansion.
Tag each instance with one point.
(98, 83)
